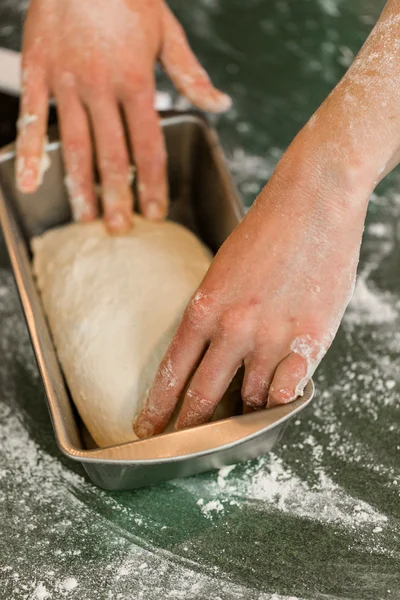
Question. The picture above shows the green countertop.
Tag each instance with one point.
(320, 517)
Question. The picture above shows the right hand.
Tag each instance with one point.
(98, 58)
(276, 291)
(272, 299)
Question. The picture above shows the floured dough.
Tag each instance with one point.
(113, 304)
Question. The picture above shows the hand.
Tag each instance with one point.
(98, 59)
(277, 289)
(272, 300)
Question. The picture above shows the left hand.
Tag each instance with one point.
(97, 59)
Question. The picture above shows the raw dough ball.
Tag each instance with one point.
(113, 304)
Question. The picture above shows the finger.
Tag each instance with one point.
(113, 163)
(259, 372)
(185, 70)
(289, 380)
(149, 152)
(77, 152)
(32, 125)
(173, 376)
(209, 384)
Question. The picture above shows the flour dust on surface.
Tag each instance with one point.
(319, 517)
(183, 536)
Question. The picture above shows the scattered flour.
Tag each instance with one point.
(69, 584)
(223, 474)
(379, 230)
(273, 483)
(6, 30)
(163, 101)
(40, 593)
(330, 7)
(346, 56)
(53, 514)
(41, 480)
(252, 172)
(210, 507)
(52, 498)
(369, 306)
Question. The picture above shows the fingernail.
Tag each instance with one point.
(144, 429)
(119, 223)
(225, 101)
(155, 211)
(27, 173)
(285, 397)
(220, 102)
(301, 386)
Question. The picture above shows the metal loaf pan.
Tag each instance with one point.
(203, 199)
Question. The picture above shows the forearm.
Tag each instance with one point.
(353, 139)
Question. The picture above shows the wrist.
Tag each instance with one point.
(314, 205)
(356, 136)
(317, 174)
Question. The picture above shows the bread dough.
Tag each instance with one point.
(113, 305)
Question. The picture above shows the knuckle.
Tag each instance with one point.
(199, 80)
(73, 144)
(234, 323)
(200, 308)
(196, 397)
(166, 378)
(140, 83)
(255, 390)
(312, 346)
(98, 75)
(175, 32)
(94, 88)
(32, 62)
(77, 164)
(160, 159)
(199, 402)
(160, 156)
(33, 82)
(136, 81)
(115, 164)
(156, 158)
(253, 398)
(65, 80)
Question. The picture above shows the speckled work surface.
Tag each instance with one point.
(318, 519)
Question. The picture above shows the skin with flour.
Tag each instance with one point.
(97, 60)
(276, 292)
